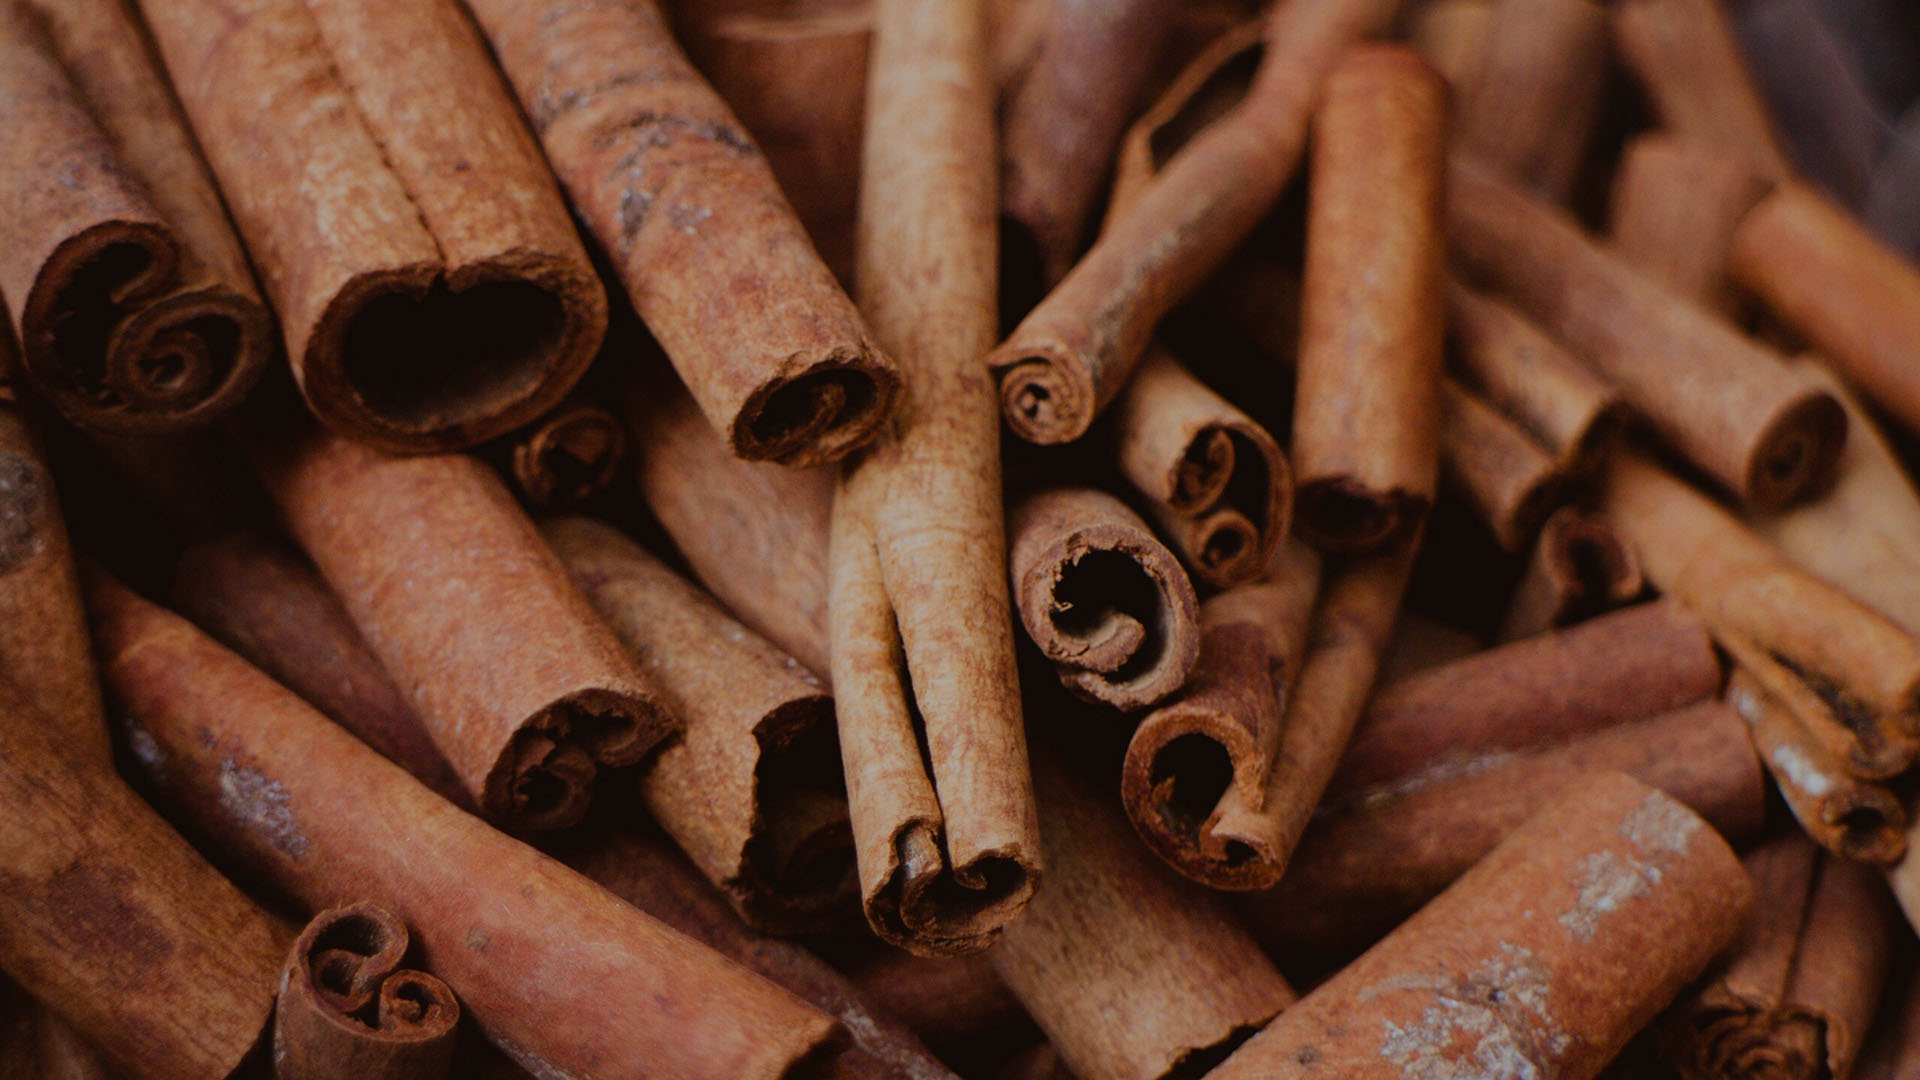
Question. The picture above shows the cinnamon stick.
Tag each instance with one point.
(1205, 89)
(1510, 481)
(949, 1001)
(1068, 358)
(567, 456)
(1794, 994)
(1131, 972)
(1100, 596)
(1531, 107)
(1367, 409)
(134, 305)
(430, 287)
(1676, 203)
(1216, 483)
(1688, 60)
(752, 790)
(1822, 273)
(1580, 568)
(683, 201)
(347, 1008)
(525, 692)
(1454, 36)
(923, 668)
(560, 974)
(1644, 660)
(1420, 642)
(1544, 959)
(1726, 403)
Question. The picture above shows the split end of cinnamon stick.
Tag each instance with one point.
(816, 415)
(544, 777)
(347, 1007)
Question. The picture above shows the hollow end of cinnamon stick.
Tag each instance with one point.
(570, 456)
(797, 869)
(544, 776)
(1342, 514)
(1797, 454)
(815, 415)
(930, 910)
(1042, 400)
(347, 1008)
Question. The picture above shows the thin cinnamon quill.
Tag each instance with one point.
(560, 974)
(347, 1008)
(752, 790)
(1543, 960)
(1532, 102)
(430, 286)
(1510, 481)
(521, 686)
(1580, 568)
(923, 667)
(708, 248)
(1067, 359)
(1726, 403)
(134, 305)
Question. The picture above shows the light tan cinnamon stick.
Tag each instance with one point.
(1687, 57)
(347, 1008)
(134, 305)
(1510, 481)
(1726, 403)
(430, 286)
(1676, 203)
(521, 686)
(752, 791)
(1069, 357)
(923, 667)
(1544, 959)
(1367, 410)
(1530, 109)
(1580, 567)
(700, 235)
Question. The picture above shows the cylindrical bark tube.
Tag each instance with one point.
(1539, 86)
(693, 219)
(1823, 274)
(927, 695)
(1580, 568)
(347, 1008)
(1542, 961)
(1821, 642)
(431, 288)
(1725, 402)
(1687, 58)
(561, 975)
(1131, 972)
(1453, 35)
(110, 918)
(521, 686)
(752, 791)
(1510, 481)
(1794, 994)
(1068, 358)
(1624, 666)
(1676, 203)
(1367, 412)
(949, 1001)
(1100, 596)
(1216, 483)
(135, 308)
(567, 456)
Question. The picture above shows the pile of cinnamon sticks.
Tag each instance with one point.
(1006, 539)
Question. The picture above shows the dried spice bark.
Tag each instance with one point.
(521, 686)
(948, 1001)
(1537, 90)
(1580, 568)
(1686, 56)
(708, 248)
(1453, 35)
(560, 974)
(1204, 90)
(568, 456)
(347, 1008)
(431, 289)
(1676, 203)
(752, 790)
(923, 666)
(134, 305)
(1100, 596)
(1544, 959)
(1726, 403)
(1510, 481)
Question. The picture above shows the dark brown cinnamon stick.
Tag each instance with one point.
(348, 1009)
(1510, 481)
(1580, 567)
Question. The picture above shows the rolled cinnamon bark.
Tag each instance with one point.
(1100, 596)
(1794, 994)
(1631, 664)
(948, 1001)
(1069, 357)
(1822, 651)
(686, 206)
(430, 286)
(348, 1009)
(1676, 204)
(134, 305)
(1367, 411)
(1685, 55)
(1453, 35)
(1580, 568)
(1204, 90)
(754, 534)
(114, 921)
(520, 685)
(1510, 481)
(1822, 273)
(1543, 960)
(1216, 483)
(1854, 818)
(923, 668)
(567, 456)
(1725, 402)
(1131, 972)
(1531, 108)
(560, 974)
(261, 599)
(752, 791)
